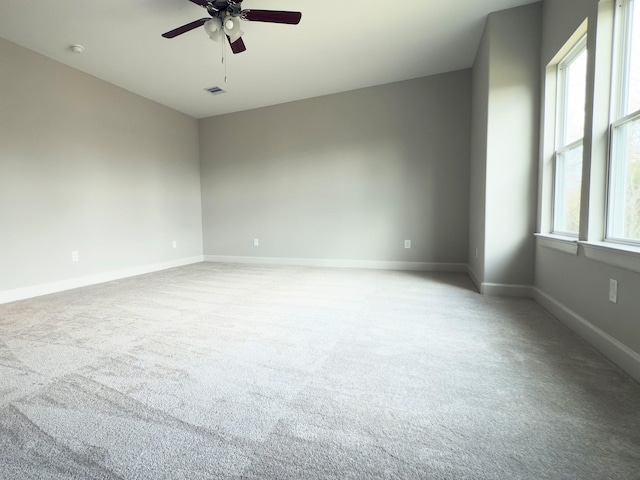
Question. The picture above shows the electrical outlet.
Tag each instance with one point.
(175, 244)
(613, 290)
(256, 242)
(75, 257)
(407, 244)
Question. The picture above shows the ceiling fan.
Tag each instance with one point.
(225, 16)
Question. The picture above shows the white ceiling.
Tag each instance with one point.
(338, 46)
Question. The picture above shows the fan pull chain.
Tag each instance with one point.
(224, 55)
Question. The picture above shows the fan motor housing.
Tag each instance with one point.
(218, 7)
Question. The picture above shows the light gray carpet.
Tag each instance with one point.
(244, 372)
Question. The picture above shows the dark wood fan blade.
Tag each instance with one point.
(185, 28)
(271, 16)
(202, 3)
(237, 46)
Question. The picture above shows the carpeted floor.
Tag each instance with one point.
(218, 371)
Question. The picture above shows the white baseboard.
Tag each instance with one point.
(507, 290)
(71, 283)
(503, 289)
(614, 350)
(331, 263)
(624, 357)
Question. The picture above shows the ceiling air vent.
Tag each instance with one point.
(215, 90)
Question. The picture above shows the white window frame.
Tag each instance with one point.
(560, 135)
(619, 99)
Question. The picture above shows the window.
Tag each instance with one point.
(623, 216)
(570, 109)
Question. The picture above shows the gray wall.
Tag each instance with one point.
(579, 286)
(505, 139)
(512, 145)
(345, 176)
(478, 167)
(560, 19)
(89, 167)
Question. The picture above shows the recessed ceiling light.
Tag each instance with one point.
(76, 48)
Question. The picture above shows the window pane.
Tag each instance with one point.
(624, 195)
(568, 183)
(633, 98)
(576, 91)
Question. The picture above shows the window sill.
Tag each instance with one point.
(557, 242)
(621, 256)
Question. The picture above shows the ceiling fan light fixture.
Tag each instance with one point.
(232, 28)
(213, 28)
